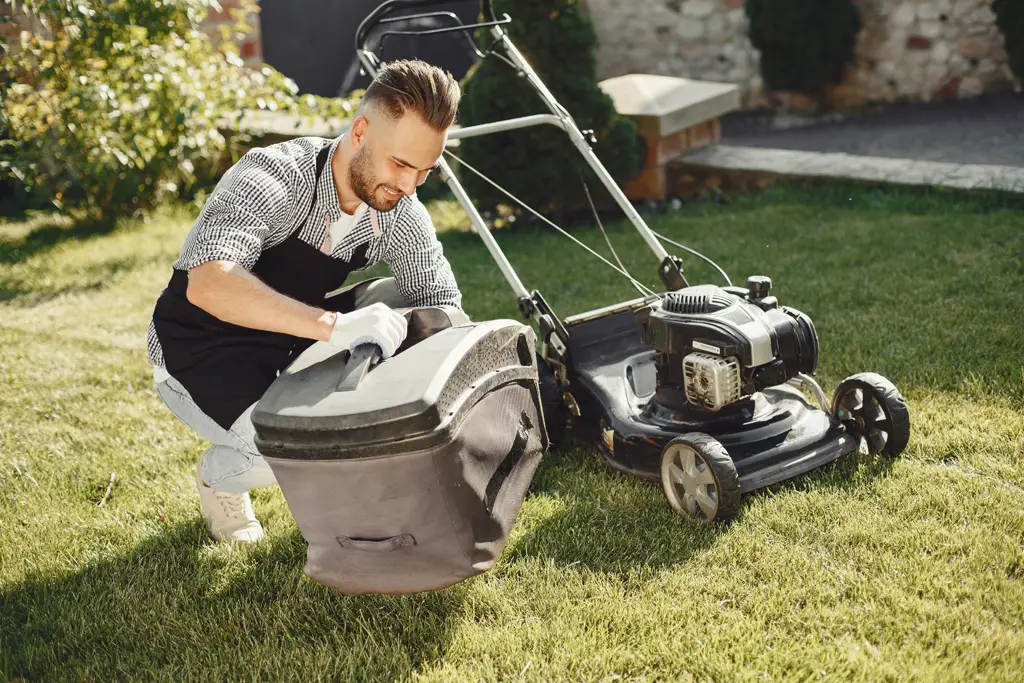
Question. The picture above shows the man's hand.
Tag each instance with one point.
(375, 324)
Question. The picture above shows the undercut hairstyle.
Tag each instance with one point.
(412, 85)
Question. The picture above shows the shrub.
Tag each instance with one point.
(804, 44)
(539, 165)
(123, 103)
(1010, 19)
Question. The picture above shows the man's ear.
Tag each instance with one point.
(359, 128)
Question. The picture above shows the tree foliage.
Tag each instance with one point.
(1010, 19)
(122, 102)
(539, 164)
(804, 44)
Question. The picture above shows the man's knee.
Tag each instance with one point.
(384, 291)
(233, 471)
(235, 465)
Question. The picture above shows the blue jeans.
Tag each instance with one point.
(232, 464)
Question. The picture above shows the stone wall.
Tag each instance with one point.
(250, 46)
(920, 50)
(927, 50)
(15, 20)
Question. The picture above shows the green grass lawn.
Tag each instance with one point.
(869, 569)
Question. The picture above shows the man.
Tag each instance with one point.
(260, 276)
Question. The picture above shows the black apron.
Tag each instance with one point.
(226, 367)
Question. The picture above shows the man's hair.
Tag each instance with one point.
(412, 85)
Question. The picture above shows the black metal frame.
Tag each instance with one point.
(379, 16)
(462, 29)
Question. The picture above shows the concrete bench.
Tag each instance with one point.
(674, 116)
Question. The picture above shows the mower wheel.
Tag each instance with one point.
(556, 413)
(699, 478)
(873, 411)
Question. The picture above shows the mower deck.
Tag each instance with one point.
(775, 435)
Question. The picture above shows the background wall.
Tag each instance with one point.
(13, 22)
(919, 50)
(908, 49)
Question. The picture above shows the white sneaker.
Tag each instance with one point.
(228, 515)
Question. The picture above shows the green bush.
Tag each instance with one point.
(804, 44)
(539, 165)
(1010, 19)
(124, 102)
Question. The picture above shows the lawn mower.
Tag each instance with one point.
(407, 475)
(697, 386)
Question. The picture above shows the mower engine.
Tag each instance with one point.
(716, 346)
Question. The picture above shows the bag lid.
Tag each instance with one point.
(416, 394)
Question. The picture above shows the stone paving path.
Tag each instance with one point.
(985, 130)
(758, 161)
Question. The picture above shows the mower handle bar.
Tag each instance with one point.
(389, 6)
(669, 269)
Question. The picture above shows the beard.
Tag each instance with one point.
(364, 182)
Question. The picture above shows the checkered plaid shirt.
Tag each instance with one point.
(264, 198)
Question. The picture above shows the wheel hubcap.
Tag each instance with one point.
(862, 414)
(692, 482)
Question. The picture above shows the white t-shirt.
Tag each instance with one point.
(344, 225)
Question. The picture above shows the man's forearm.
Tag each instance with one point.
(230, 293)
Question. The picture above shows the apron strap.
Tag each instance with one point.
(374, 221)
(321, 161)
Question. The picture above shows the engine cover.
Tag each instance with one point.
(716, 346)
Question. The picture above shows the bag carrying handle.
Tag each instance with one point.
(379, 545)
(362, 358)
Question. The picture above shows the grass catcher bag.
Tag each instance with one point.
(408, 476)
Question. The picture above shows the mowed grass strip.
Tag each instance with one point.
(869, 569)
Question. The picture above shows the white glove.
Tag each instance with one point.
(375, 324)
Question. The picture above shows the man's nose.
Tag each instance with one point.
(407, 184)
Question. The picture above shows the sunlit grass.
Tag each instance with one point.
(869, 569)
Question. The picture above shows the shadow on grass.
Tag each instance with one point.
(850, 473)
(11, 291)
(90, 278)
(608, 522)
(48, 234)
(18, 205)
(613, 522)
(172, 606)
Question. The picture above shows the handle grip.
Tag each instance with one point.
(360, 361)
(377, 545)
(389, 6)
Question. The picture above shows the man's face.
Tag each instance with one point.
(392, 158)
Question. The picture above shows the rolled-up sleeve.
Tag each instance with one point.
(250, 204)
(416, 259)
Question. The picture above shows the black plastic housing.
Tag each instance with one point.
(711, 328)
